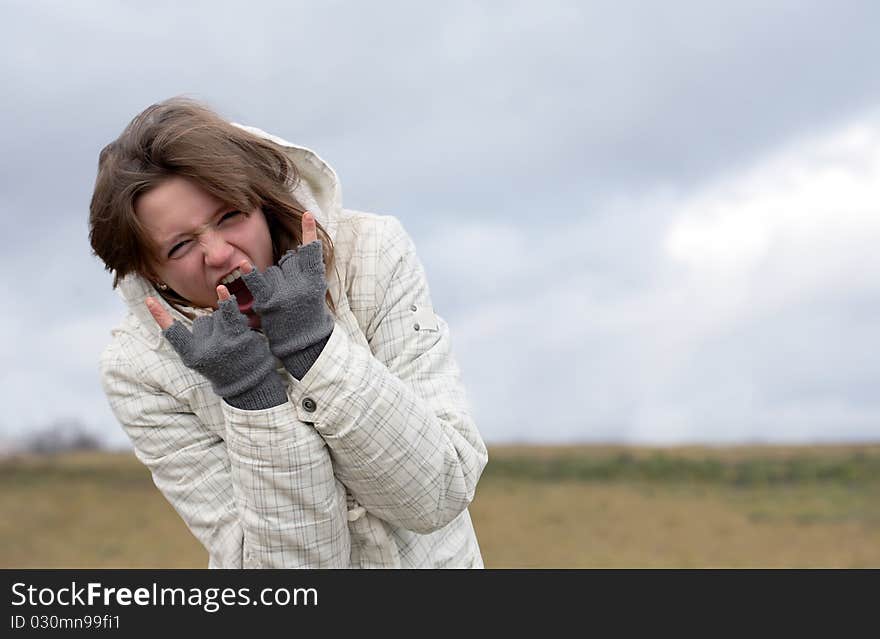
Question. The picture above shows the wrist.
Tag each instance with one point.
(268, 393)
(299, 362)
(289, 338)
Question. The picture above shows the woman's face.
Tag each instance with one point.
(200, 239)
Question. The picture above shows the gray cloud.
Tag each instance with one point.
(562, 136)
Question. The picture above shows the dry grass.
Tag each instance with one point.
(524, 524)
(102, 510)
(89, 511)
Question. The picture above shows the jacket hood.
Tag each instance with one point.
(317, 191)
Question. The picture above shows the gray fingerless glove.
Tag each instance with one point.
(289, 298)
(232, 357)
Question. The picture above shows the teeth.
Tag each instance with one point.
(231, 277)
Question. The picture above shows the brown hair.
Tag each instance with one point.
(181, 137)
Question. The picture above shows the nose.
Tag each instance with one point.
(217, 250)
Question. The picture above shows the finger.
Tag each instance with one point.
(309, 228)
(289, 262)
(311, 257)
(222, 293)
(255, 282)
(245, 266)
(275, 276)
(202, 327)
(233, 318)
(162, 317)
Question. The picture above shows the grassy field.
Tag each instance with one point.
(566, 507)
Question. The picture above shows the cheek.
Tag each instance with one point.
(187, 274)
(260, 244)
(267, 248)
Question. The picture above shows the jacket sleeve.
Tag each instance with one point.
(395, 416)
(251, 499)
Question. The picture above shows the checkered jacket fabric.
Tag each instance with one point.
(374, 459)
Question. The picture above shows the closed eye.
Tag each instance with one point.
(226, 216)
(175, 247)
(229, 215)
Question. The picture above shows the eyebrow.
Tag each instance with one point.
(168, 244)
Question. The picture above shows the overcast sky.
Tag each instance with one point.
(645, 222)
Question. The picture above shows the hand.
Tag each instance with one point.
(289, 298)
(221, 347)
(164, 319)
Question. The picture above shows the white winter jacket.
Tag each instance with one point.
(372, 462)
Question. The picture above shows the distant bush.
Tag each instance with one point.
(60, 436)
(661, 467)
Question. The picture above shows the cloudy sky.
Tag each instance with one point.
(645, 222)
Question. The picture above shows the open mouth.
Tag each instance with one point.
(236, 286)
(243, 296)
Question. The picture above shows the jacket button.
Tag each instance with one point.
(416, 326)
(413, 308)
(309, 404)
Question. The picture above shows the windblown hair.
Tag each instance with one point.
(181, 137)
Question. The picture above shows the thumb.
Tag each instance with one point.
(162, 317)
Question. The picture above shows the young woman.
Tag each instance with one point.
(281, 371)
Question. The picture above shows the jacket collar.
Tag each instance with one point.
(318, 191)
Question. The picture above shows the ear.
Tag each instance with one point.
(149, 274)
(147, 268)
